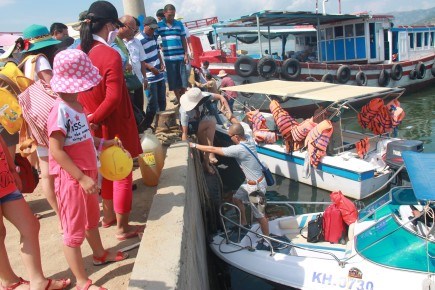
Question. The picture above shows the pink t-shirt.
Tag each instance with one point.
(228, 82)
(79, 144)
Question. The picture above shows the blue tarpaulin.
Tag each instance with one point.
(421, 171)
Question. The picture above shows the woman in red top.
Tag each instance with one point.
(109, 110)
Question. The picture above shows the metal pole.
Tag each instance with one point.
(259, 36)
(270, 45)
(134, 8)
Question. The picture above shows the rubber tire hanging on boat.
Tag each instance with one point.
(343, 74)
(311, 79)
(263, 64)
(413, 74)
(384, 78)
(245, 61)
(396, 72)
(246, 95)
(432, 70)
(328, 78)
(292, 64)
(361, 78)
(420, 68)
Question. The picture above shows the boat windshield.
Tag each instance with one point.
(371, 211)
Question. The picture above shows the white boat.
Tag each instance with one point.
(342, 169)
(384, 250)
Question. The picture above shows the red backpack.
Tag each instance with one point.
(333, 225)
(29, 175)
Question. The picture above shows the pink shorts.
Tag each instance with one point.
(78, 211)
(121, 193)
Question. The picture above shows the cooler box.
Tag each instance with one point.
(395, 149)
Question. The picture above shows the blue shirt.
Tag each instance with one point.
(149, 44)
(172, 39)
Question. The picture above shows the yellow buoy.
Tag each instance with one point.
(116, 163)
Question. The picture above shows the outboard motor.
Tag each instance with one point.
(394, 157)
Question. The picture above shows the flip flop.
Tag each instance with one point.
(131, 234)
(65, 283)
(109, 224)
(99, 261)
(89, 284)
(15, 285)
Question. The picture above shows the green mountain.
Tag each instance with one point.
(414, 17)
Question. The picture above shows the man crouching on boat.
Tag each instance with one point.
(255, 180)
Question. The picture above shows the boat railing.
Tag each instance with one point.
(267, 239)
(201, 22)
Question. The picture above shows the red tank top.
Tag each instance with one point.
(7, 181)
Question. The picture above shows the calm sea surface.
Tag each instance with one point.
(419, 124)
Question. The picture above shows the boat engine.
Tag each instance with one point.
(394, 157)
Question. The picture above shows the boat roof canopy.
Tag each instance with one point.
(319, 91)
(286, 18)
(421, 169)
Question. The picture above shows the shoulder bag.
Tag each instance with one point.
(266, 171)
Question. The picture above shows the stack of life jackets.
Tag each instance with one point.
(380, 118)
(317, 141)
(261, 132)
(285, 123)
(300, 132)
(362, 147)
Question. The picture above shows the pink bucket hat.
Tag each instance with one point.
(73, 72)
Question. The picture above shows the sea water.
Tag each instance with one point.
(419, 124)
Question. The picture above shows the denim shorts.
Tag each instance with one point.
(176, 74)
(16, 195)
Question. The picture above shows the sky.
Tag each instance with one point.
(19, 14)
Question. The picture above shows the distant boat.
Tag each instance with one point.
(363, 49)
(386, 248)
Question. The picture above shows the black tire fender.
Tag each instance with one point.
(267, 67)
(361, 78)
(413, 74)
(396, 72)
(420, 68)
(245, 66)
(246, 95)
(328, 78)
(384, 78)
(294, 66)
(311, 79)
(343, 74)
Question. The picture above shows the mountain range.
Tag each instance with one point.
(414, 17)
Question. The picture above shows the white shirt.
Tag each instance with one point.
(41, 65)
(137, 55)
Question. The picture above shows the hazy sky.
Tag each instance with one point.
(18, 14)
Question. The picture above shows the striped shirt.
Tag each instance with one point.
(172, 39)
(151, 49)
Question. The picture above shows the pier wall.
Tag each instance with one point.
(172, 253)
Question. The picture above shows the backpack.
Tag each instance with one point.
(36, 103)
(28, 174)
(333, 225)
(12, 83)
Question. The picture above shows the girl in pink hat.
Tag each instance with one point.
(73, 162)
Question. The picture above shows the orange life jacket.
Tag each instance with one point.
(260, 130)
(317, 141)
(396, 112)
(381, 123)
(299, 132)
(283, 120)
(264, 136)
(362, 147)
(369, 112)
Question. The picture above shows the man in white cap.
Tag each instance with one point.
(197, 117)
(226, 81)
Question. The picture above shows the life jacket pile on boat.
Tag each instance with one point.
(315, 137)
(380, 118)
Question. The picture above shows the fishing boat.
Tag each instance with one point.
(386, 248)
(355, 49)
(341, 168)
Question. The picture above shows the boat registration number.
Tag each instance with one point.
(342, 282)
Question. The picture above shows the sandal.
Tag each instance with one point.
(109, 224)
(15, 285)
(65, 283)
(99, 261)
(132, 234)
(89, 284)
